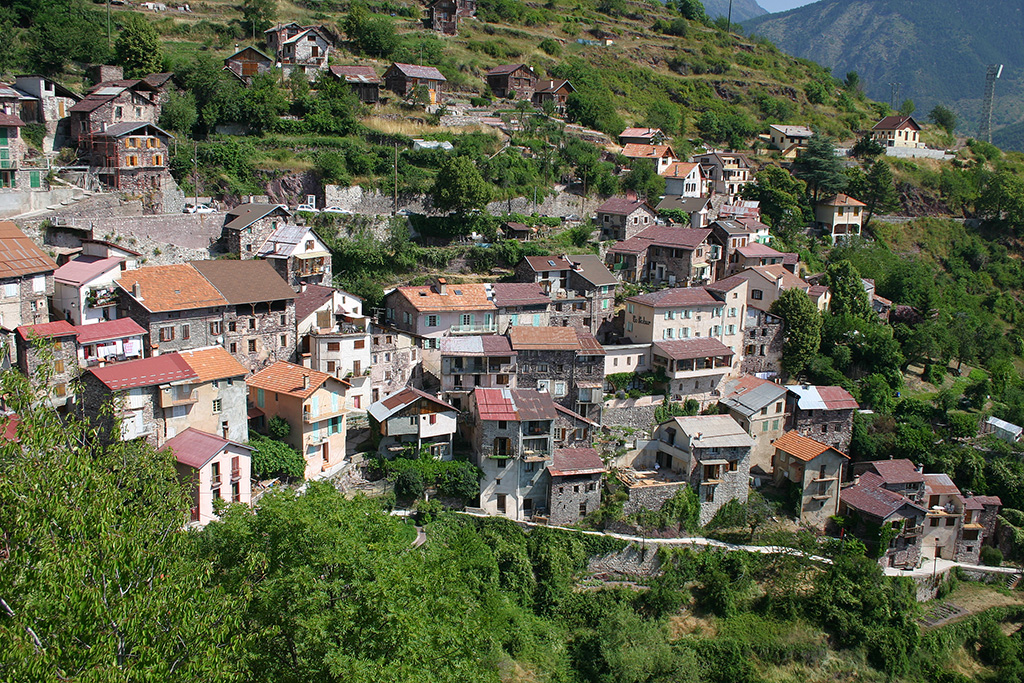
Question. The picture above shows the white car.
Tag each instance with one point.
(338, 210)
(309, 208)
(200, 208)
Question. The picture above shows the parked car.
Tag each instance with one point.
(199, 208)
(309, 208)
(338, 210)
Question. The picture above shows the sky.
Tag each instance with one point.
(781, 5)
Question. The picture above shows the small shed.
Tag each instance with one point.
(1001, 429)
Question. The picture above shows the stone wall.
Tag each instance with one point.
(831, 427)
(622, 414)
(650, 497)
(762, 348)
(572, 498)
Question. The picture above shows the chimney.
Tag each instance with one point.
(305, 382)
(631, 195)
(137, 290)
(442, 286)
(919, 469)
(856, 479)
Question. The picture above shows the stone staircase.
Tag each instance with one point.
(940, 614)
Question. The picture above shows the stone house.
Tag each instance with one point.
(869, 504)
(642, 136)
(312, 403)
(433, 311)
(659, 255)
(114, 102)
(444, 15)
(754, 255)
(214, 468)
(110, 341)
(512, 434)
(711, 453)
(363, 80)
(575, 485)
(413, 419)
(12, 150)
(743, 210)
(897, 131)
(396, 361)
(475, 361)
(708, 312)
(305, 49)
(247, 227)
(684, 179)
(153, 397)
(565, 362)
(697, 208)
(54, 345)
(220, 394)
(555, 91)
(692, 368)
(729, 236)
(259, 319)
(759, 406)
(727, 172)
(839, 216)
(763, 340)
(822, 413)
(85, 289)
(26, 280)
(48, 103)
(581, 288)
(661, 156)
(980, 519)
(246, 63)
(405, 79)
(129, 157)
(789, 137)
(945, 517)
(521, 303)
(620, 218)
(513, 81)
(298, 255)
(814, 467)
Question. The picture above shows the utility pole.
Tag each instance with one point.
(729, 29)
(195, 172)
(394, 211)
(108, 24)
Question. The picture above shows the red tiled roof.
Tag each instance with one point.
(638, 151)
(108, 329)
(410, 395)
(687, 349)
(758, 250)
(868, 497)
(515, 405)
(640, 132)
(622, 206)
(214, 363)
(519, 294)
(540, 264)
(680, 169)
(900, 471)
(803, 447)
(523, 337)
(286, 378)
(464, 297)
(575, 461)
(356, 74)
(10, 120)
(195, 448)
(837, 398)
(145, 372)
(19, 255)
(842, 200)
(174, 287)
(60, 328)
(989, 500)
(676, 296)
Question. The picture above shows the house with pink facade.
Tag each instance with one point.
(214, 468)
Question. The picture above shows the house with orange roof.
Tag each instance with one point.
(220, 393)
(314, 406)
(26, 279)
(816, 469)
(433, 311)
(661, 155)
(839, 216)
(642, 136)
(684, 179)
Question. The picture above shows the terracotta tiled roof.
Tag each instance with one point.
(109, 329)
(213, 363)
(726, 284)
(680, 169)
(177, 287)
(640, 132)
(900, 471)
(637, 151)
(802, 447)
(575, 461)
(519, 294)
(286, 378)
(622, 206)
(524, 338)
(776, 270)
(896, 123)
(85, 268)
(687, 349)
(657, 236)
(466, 297)
(19, 255)
(842, 200)
(60, 328)
(676, 296)
(195, 448)
(989, 500)
(145, 372)
(541, 264)
(245, 282)
(758, 250)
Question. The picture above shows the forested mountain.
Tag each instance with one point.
(741, 9)
(936, 49)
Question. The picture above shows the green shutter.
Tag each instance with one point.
(3, 136)
(33, 179)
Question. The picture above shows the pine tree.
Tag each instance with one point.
(880, 191)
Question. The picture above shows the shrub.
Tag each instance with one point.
(278, 428)
(991, 557)
(933, 373)
(272, 458)
(409, 484)
(551, 46)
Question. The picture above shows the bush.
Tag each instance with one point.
(272, 458)
(409, 484)
(933, 373)
(278, 428)
(991, 557)
(551, 46)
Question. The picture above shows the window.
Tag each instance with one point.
(39, 284)
(284, 340)
(360, 344)
(58, 366)
(186, 332)
(233, 348)
(252, 346)
(502, 424)
(217, 405)
(560, 389)
(216, 327)
(544, 385)
(166, 334)
(334, 346)
(252, 323)
(232, 326)
(756, 294)
(731, 329)
(11, 291)
(331, 366)
(670, 315)
(543, 367)
(732, 312)
(60, 389)
(284, 319)
(431, 321)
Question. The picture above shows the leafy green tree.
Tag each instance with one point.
(103, 583)
(62, 32)
(664, 115)
(643, 179)
(943, 117)
(335, 109)
(137, 47)
(866, 146)
(259, 15)
(819, 166)
(782, 199)
(876, 392)
(459, 187)
(848, 294)
(802, 329)
(692, 10)
(179, 113)
(852, 82)
(273, 458)
(278, 428)
(409, 484)
(880, 191)
(907, 108)
(372, 35)
(263, 102)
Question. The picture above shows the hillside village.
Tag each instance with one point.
(516, 307)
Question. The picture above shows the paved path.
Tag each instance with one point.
(940, 566)
(421, 537)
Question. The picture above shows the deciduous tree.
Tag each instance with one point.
(137, 47)
(802, 328)
(459, 187)
(943, 117)
(259, 14)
